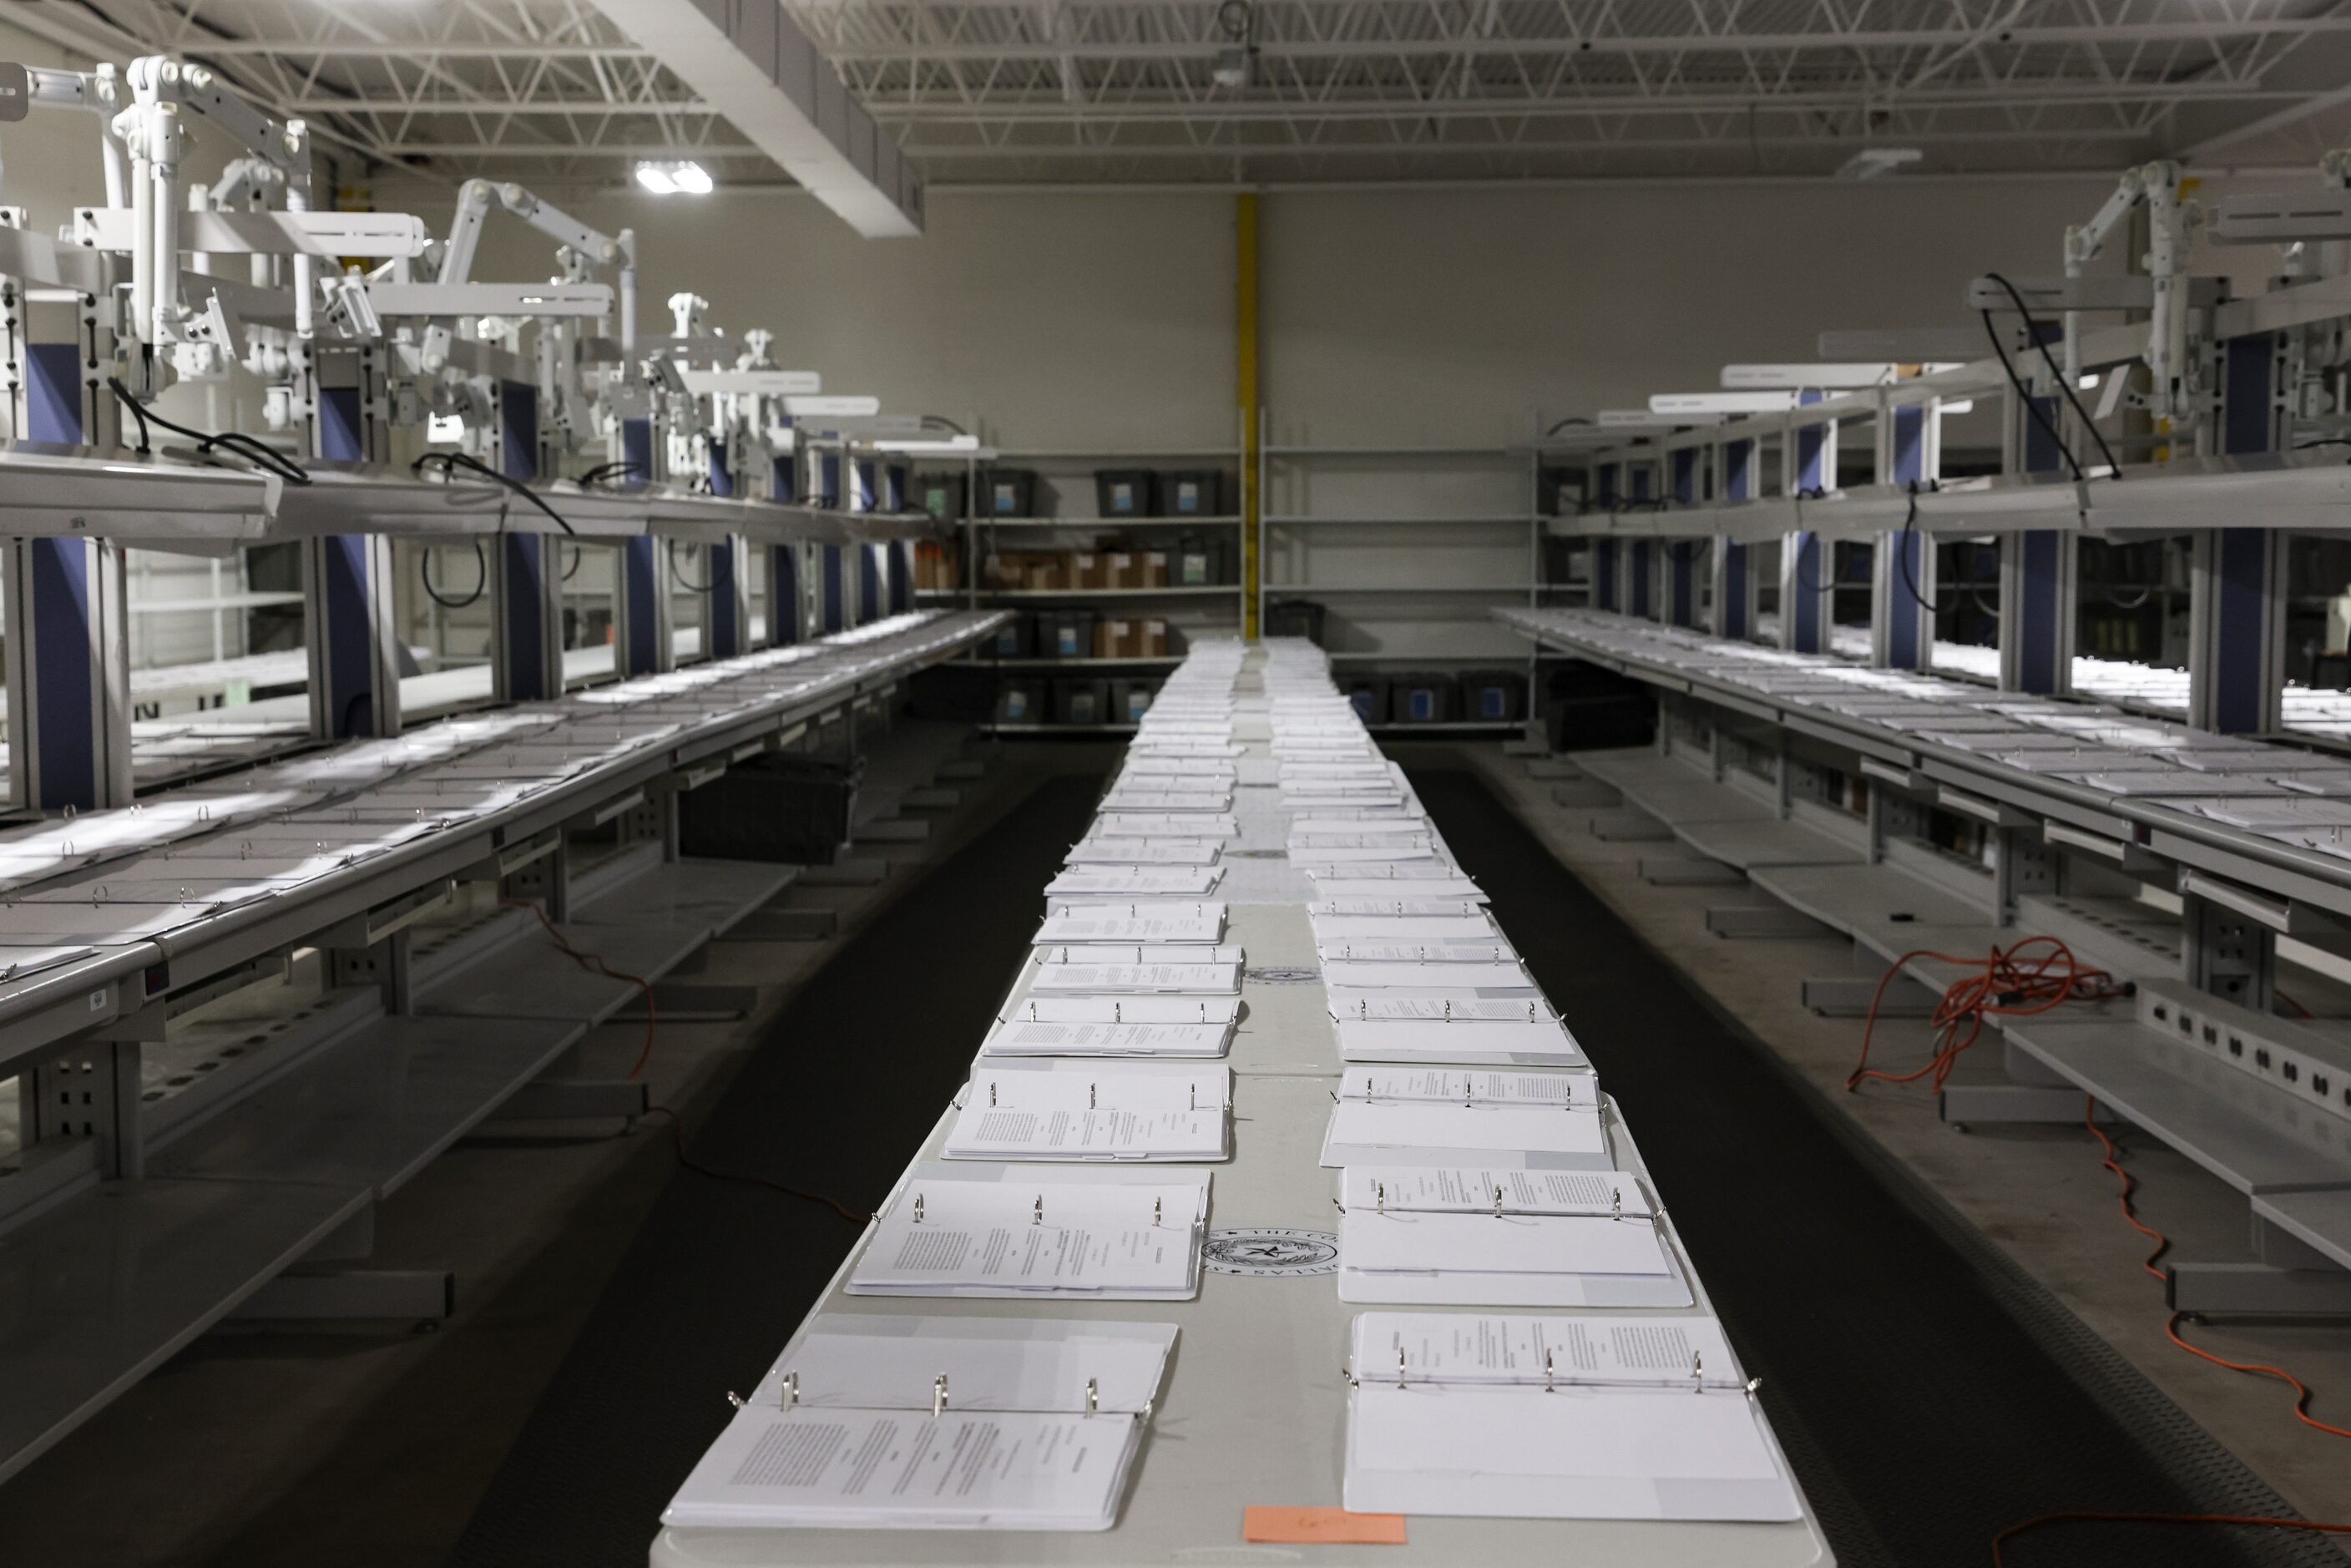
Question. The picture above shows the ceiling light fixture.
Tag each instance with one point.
(675, 179)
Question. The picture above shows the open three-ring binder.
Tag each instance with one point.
(1469, 1014)
(1557, 1417)
(1115, 1233)
(923, 1423)
(1433, 1116)
(1508, 1232)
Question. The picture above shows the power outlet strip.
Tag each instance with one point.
(2312, 1062)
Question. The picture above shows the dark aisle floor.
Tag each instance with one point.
(1928, 1393)
(846, 1085)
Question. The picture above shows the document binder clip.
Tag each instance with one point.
(1038, 1218)
(733, 1399)
(1032, 1012)
(1448, 1009)
(791, 1389)
(1399, 1366)
(938, 1395)
(1155, 1214)
(1616, 1203)
(991, 1096)
(1364, 1009)
(1697, 1378)
(1548, 1388)
(1498, 1203)
(1380, 1194)
(918, 1201)
(1193, 1094)
(1090, 1097)
(1118, 1013)
(1094, 1397)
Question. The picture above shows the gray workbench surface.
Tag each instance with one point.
(1255, 1407)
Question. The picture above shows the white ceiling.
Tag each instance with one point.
(983, 91)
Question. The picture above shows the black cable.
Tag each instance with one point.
(2032, 403)
(603, 473)
(679, 578)
(577, 555)
(450, 462)
(2064, 382)
(481, 579)
(245, 446)
(1902, 557)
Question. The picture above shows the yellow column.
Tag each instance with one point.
(1245, 357)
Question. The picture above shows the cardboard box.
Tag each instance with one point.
(1152, 569)
(1121, 570)
(1106, 638)
(1150, 639)
(1089, 570)
(1043, 574)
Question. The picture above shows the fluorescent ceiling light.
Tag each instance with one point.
(929, 443)
(675, 179)
(1871, 162)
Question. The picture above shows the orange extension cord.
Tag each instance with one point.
(2032, 975)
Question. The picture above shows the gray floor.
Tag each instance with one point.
(363, 1447)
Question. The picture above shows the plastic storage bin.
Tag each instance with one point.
(1295, 618)
(1020, 702)
(1007, 492)
(1015, 639)
(1079, 701)
(778, 806)
(1065, 634)
(1126, 492)
(1425, 698)
(1494, 696)
(1131, 699)
(1199, 560)
(1192, 493)
(941, 495)
(1368, 695)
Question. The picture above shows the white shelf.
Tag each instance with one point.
(1103, 522)
(1144, 454)
(1391, 452)
(1521, 520)
(1227, 591)
(1039, 662)
(1296, 587)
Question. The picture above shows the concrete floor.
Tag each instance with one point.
(2038, 1192)
(367, 1445)
(362, 1448)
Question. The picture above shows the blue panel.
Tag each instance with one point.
(867, 491)
(902, 577)
(2239, 632)
(2041, 613)
(1734, 588)
(2042, 454)
(53, 393)
(640, 590)
(1909, 445)
(1903, 606)
(1641, 572)
(63, 653)
(832, 594)
(1603, 574)
(350, 666)
(342, 436)
(518, 430)
(1809, 443)
(1605, 491)
(1641, 477)
(869, 584)
(721, 483)
(637, 450)
(897, 482)
(1683, 564)
(726, 637)
(828, 475)
(1805, 583)
(1738, 470)
(784, 595)
(786, 480)
(2247, 419)
(523, 585)
(1684, 477)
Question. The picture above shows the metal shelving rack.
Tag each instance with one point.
(978, 537)
(1272, 455)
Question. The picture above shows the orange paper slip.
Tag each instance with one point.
(1332, 1526)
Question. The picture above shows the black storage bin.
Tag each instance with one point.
(1294, 618)
(778, 806)
(1368, 695)
(1015, 639)
(1079, 701)
(1126, 493)
(1193, 493)
(941, 495)
(1494, 696)
(1020, 702)
(1065, 634)
(1199, 560)
(1131, 699)
(1007, 492)
(1424, 698)
(1586, 707)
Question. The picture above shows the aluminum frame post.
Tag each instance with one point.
(69, 675)
(351, 621)
(1902, 564)
(526, 640)
(2237, 605)
(644, 630)
(2039, 580)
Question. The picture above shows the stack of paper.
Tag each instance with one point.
(1095, 884)
(1390, 1116)
(1457, 1024)
(1460, 1237)
(1111, 1235)
(1557, 1417)
(1137, 920)
(917, 1423)
(1217, 979)
(1048, 1109)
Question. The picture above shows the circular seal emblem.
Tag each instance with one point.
(1282, 975)
(1271, 1250)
